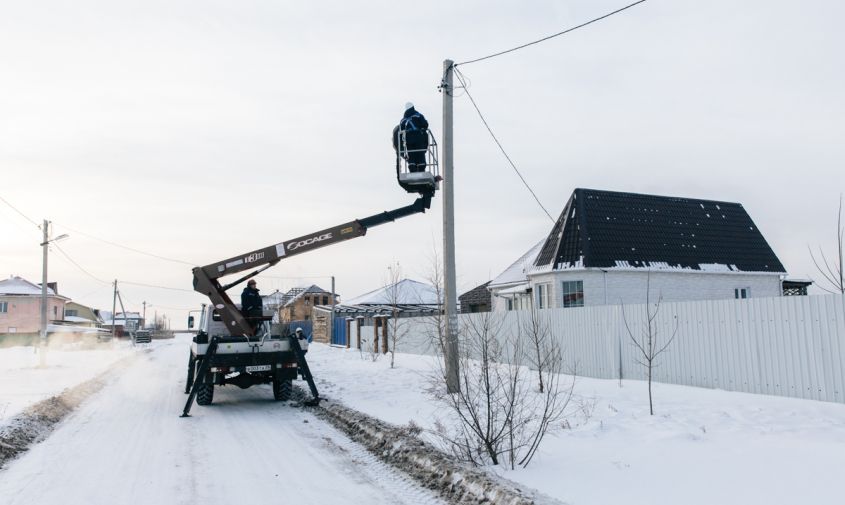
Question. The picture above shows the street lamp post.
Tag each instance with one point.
(42, 358)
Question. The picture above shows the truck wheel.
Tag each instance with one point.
(205, 394)
(282, 389)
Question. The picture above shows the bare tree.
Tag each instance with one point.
(544, 353)
(397, 328)
(497, 416)
(648, 343)
(436, 322)
(832, 271)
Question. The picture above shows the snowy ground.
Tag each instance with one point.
(127, 444)
(23, 383)
(702, 446)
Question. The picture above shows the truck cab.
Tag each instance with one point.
(244, 361)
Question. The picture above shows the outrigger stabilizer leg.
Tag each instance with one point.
(305, 371)
(201, 373)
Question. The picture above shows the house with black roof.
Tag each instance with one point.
(606, 246)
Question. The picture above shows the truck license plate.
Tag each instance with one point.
(258, 368)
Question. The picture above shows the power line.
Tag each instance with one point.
(86, 272)
(126, 247)
(460, 77)
(121, 281)
(19, 212)
(551, 36)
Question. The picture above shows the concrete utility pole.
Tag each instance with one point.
(144, 316)
(42, 356)
(453, 384)
(114, 308)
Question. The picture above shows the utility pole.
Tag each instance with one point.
(113, 309)
(144, 315)
(453, 384)
(42, 356)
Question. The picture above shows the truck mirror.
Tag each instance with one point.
(190, 321)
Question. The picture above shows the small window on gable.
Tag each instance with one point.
(742, 293)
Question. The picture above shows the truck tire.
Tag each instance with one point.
(205, 394)
(282, 389)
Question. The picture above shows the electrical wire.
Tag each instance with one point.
(120, 281)
(86, 272)
(461, 78)
(126, 247)
(500, 53)
(19, 212)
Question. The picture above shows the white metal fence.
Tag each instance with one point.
(788, 346)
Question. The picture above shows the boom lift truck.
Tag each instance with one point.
(234, 351)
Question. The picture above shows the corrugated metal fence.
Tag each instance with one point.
(788, 346)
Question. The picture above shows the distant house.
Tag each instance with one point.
(606, 246)
(405, 298)
(476, 300)
(82, 315)
(20, 306)
(298, 303)
(124, 322)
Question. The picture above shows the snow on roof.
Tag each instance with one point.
(404, 292)
(515, 274)
(77, 319)
(19, 286)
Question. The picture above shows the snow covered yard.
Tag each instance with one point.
(23, 383)
(701, 446)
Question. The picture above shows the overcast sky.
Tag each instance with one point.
(199, 130)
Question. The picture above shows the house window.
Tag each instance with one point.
(573, 293)
(71, 313)
(325, 300)
(544, 296)
(4, 307)
(742, 293)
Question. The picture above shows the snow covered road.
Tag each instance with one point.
(129, 445)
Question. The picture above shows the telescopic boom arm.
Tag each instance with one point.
(206, 279)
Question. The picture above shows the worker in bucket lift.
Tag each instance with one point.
(252, 307)
(415, 127)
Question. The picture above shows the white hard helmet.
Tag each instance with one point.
(299, 330)
(409, 105)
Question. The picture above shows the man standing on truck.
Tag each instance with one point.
(252, 306)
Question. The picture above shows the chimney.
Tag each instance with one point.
(54, 286)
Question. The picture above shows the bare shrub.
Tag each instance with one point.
(397, 327)
(832, 272)
(498, 417)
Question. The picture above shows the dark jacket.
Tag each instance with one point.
(251, 303)
(416, 130)
(413, 120)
